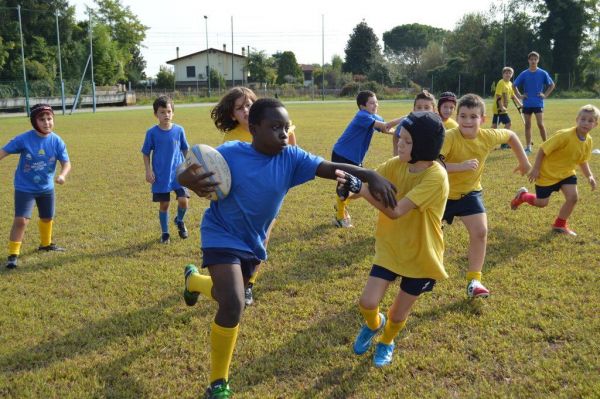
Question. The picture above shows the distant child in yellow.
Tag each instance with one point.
(465, 150)
(504, 92)
(446, 107)
(424, 102)
(409, 244)
(554, 168)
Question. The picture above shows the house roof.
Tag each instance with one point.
(212, 50)
(307, 67)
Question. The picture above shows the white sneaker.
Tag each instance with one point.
(477, 290)
(345, 223)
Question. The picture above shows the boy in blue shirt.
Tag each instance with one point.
(233, 229)
(353, 144)
(39, 150)
(533, 81)
(168, 146)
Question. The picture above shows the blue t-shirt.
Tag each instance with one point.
(259, 182)
(166, 147)
(354, 143)
(37, 163)
(533, 84)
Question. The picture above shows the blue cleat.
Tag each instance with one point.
(189, 297)
(365, 336)
(383, 354)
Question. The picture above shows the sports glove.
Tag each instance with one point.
(353, 185)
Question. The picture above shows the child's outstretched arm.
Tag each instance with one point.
(534, 173)
(3, 154)
(65, 168)
(517, 148)
(379, 187)
(348, 182)
(149, 174)
(587, 172)
(469, 164)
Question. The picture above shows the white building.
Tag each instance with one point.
(191, 70)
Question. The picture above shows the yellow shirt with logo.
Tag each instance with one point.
(457, 149)
(503, 87)
(413, 245)
(450, 124)
(562, 153)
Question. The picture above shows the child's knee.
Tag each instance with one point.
(479, 233)
(572, 198)
(231, 306)
(20, 222)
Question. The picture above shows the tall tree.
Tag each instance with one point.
(260, 67)
(361, 50)
(288, 70)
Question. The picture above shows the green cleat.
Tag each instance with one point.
(189, 297)
(218, 390)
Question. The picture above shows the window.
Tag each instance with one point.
(190, 71)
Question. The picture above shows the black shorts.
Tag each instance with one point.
(166, 197)
(340, 159)
(410, 285)
(501, 118)
(468, 204)
(545, 191)
(533, 110)
(230, 256)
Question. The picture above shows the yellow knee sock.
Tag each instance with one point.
(391, 330)
(341, 208)
(222, 341)
(197, 282)
(252, 278)
(45, 233)
(14, 247)
(371, 317)
(473, 276)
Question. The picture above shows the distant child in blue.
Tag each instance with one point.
(39, 149)
(537, 85)
(168, 146)
(352, 146)
(234, 229)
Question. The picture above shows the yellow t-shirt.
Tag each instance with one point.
(457, 149)
(450, 124)
(413, 245)
(562, 153)
(239, 133)
(502, 87)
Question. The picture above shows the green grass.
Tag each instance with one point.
(106, 318)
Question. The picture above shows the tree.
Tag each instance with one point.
(361, 50)
(260, 67)
(165, 78)
(288, 70)
(407, 42)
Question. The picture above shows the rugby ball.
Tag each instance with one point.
(209, 160)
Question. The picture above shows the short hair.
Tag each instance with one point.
(363, 96)
(591, 109)
(258, 109)
(532, 54)
(507, 68)
(163, 101)
(471, 101)
(222, 112)
(424, 95)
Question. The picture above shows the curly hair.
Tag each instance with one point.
(222, 113)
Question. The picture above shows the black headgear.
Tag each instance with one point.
(446, 96)
(427, 132)
(36, 110)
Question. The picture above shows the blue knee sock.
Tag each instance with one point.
(163, 217)
(181, 213)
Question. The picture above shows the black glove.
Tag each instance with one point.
(353, 185)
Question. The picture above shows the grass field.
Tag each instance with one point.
(106, 318)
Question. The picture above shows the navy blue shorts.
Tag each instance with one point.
(533, 110)
(410, 285)
(166, 197)
(340, 159)
(468, 204)
(545, 191)
(501, 118)
(229, 256)
(24, 204)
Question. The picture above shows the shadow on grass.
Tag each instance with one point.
(65, 258)
(97, 335)
(117, 382)
(504, 244)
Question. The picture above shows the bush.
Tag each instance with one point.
(350, 89)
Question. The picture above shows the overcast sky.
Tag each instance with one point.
(276, 25)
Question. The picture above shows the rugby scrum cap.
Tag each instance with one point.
(427, 132)
(446, 96)
(37, 110)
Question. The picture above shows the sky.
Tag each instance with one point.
(309, 28)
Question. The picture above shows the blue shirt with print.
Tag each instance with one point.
(354, 143)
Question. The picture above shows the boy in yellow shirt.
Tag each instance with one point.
(465, 150)
(504, 91)
(554, 168)
(424, 102)
(446, 107)
(409, 244)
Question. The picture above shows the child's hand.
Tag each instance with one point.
(60, 179)
(470, 164)
(347, 184)
(194, 179)
(523, 168)
(542, 95)
(592, 182)
(150, 177)
(534, 174)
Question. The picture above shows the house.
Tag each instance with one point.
(191, 70)
(307, 72)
